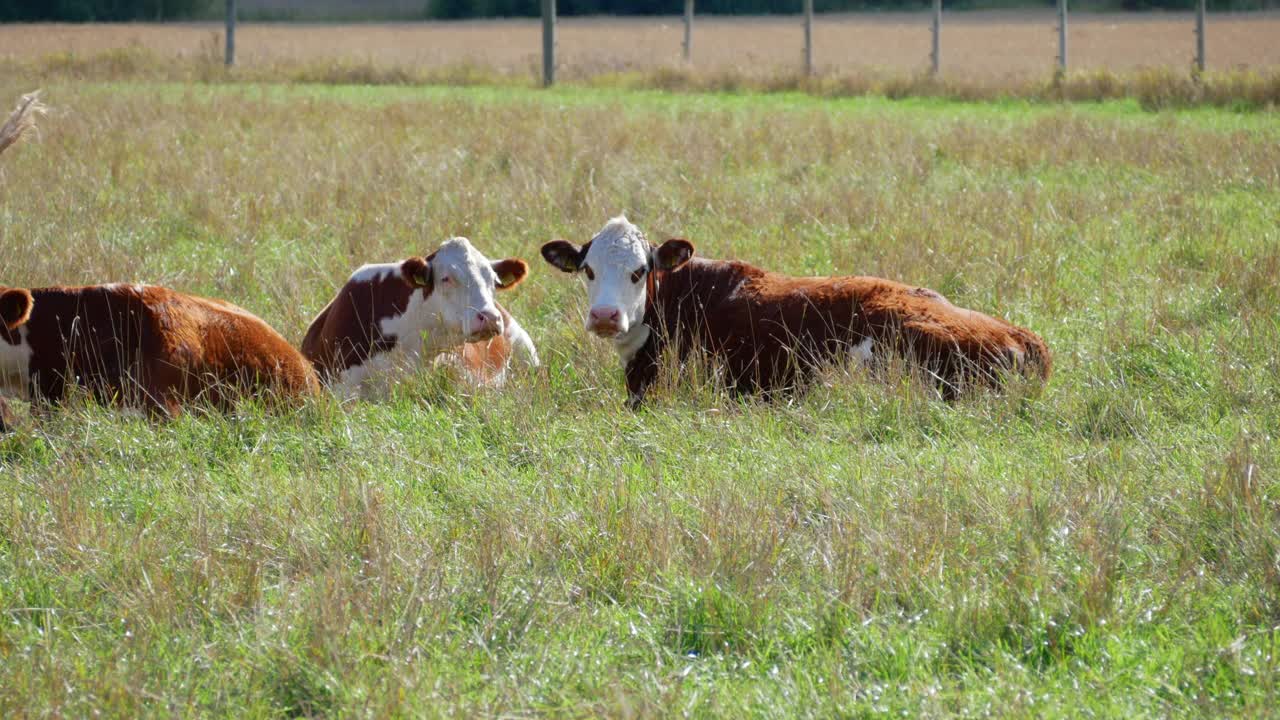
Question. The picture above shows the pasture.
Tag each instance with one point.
(1109, 546)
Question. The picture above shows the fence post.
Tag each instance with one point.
(936, 57)
(688, 30)
(1200, 35)
(548, 42)
(231, 33)
(1062, 35)
(808, 37)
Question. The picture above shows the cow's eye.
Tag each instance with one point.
(637, 276)
(591, 275)
(447, 279)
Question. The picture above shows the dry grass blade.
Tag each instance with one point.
(22, 119)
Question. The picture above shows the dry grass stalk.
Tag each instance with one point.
(22, 120)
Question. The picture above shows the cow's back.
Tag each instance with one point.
(770, 329)
(957, 344)
(229, 344)
(164, 346)
(313, 342)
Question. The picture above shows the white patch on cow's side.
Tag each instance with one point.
(630, 342)
(408, 328)
(615, 254)
(861, 353)
(352, 383)
(15, 365)
(372, 272)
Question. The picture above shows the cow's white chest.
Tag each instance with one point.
(631, 342)
(15, 365)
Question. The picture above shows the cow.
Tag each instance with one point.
(19, 122)
(143, 345)
(440, 305)
(769, 332)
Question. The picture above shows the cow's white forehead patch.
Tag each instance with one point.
(457, 255)
(619, 245)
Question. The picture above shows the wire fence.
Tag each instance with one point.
(809, 54)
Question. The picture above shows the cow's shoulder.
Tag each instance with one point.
(377, 291)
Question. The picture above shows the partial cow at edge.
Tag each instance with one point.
(441, 307)
(143, 346)
(19, 122)
(770, 332)
(137, 345)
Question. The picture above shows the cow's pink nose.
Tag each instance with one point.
(607, 314)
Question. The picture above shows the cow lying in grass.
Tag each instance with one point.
(769, 332)
(18, 123)
(443, 304)
(143, 346)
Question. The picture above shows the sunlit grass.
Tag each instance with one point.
(1106, 546)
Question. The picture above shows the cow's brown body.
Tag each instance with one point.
(152, 347)
(347, 332)
(770, 331)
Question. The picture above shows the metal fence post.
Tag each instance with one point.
(1200, 36)
(1062, 35)
(548, 42)
(936, 57)
(231, 33)
(688, 30)
(808, 37)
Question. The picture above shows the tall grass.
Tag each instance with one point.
(1108, 547)
(1152, 88)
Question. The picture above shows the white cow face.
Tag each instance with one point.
(15, 307)
(462, 285)
(615, 264)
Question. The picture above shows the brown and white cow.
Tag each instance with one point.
(142, 345)
(19, 122)
(395, 312)
(769, 331)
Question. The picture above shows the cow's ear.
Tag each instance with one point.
(15, 307)
(511, 272)
(673, 254)
(417, 272)
(563, 255)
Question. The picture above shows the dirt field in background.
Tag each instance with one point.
(993, 44)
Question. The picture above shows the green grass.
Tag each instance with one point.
(1240, 89)
(1107, 547)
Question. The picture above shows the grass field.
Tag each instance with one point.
(986, 56)
(1109, 547)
